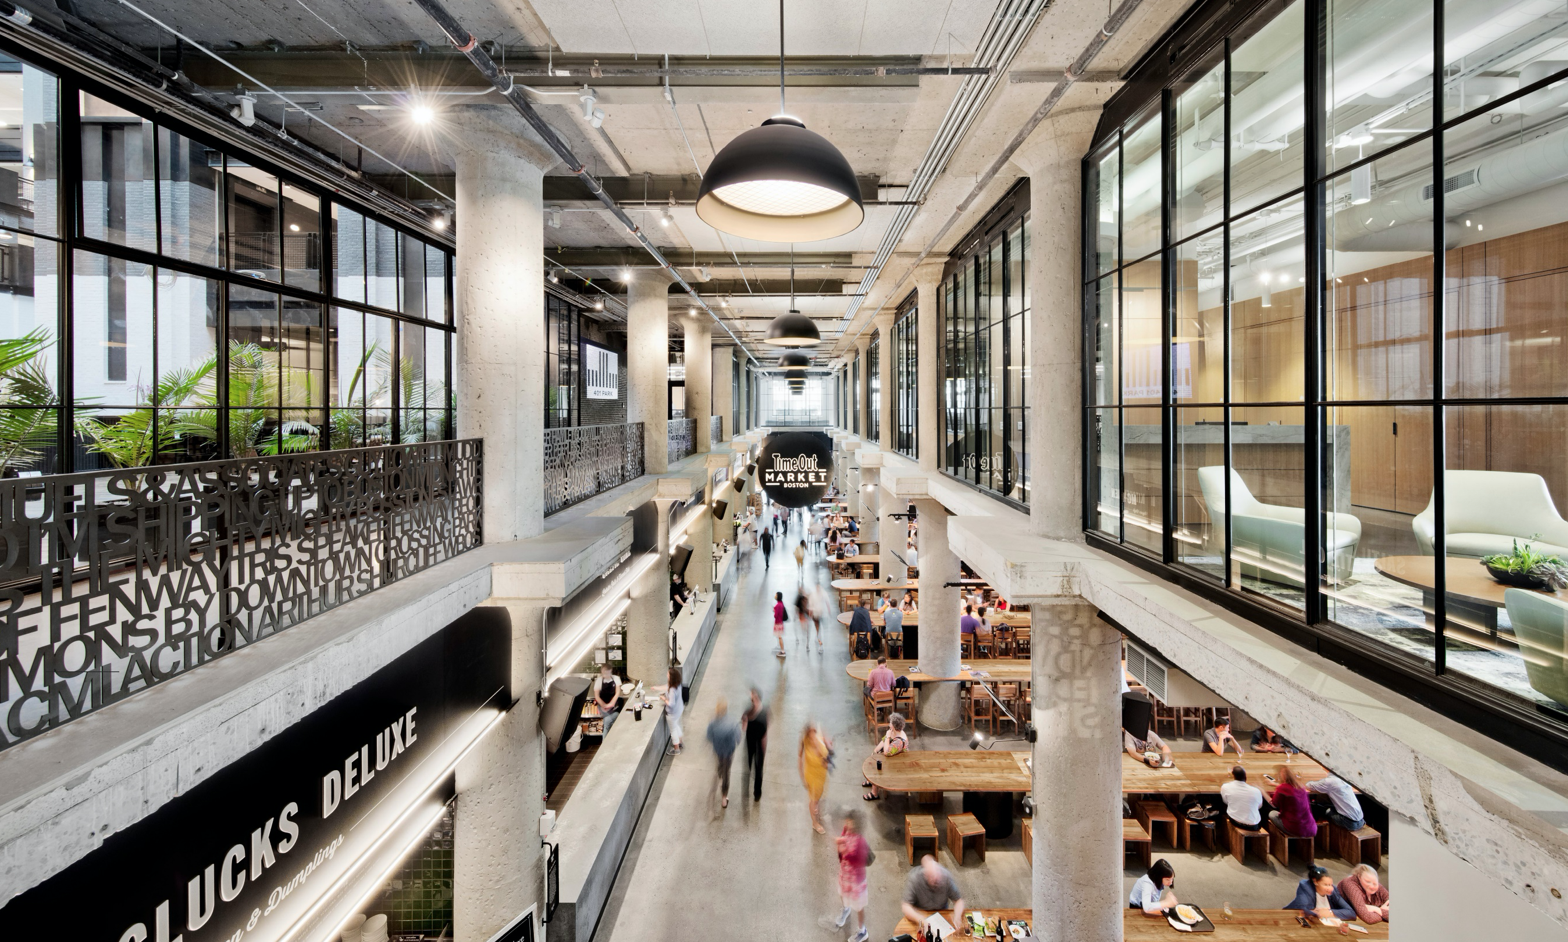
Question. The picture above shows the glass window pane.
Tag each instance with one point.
(1199, 150)
(411, 284)
(1266, 312)
(112, 332)
(1266, 116)
(301, 238)
(1507, 265)
(1199, 512)
(253, 220)
(1379, 270)
(1105, 184)
(1141, 188)
(348, 246)
(29, 355)
(1105, 472)
(1490, 50)
(1105, 298)
(117, 175)
(1144, 453)
(1506, 481)
(435, 285)
(1198, 336)
(381, 257)
(255, 377)
(1142, 334)
(30, 157)
(1379, 75)
(188, 173)
(379, 377)
(1268, 524)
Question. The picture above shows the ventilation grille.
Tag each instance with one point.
(1147, 670)
(1456, 182)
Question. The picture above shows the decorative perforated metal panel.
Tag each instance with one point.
(683, 438)
(585, 460)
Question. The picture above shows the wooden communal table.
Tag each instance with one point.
(1202, 773)
(997, 619)
(874, 585)
(1244, 925)
(1473, 595)
(988, 778)
(1005, 671)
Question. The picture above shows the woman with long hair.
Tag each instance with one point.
(814, 752)
(674, 705)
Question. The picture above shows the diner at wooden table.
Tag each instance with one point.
(1241, 925)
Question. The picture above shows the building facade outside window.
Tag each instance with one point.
(1279, 402)
(855, 393)
(983, 304)
(211, 307)
(874, 385)
(906, 417)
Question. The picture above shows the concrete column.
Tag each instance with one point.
(723, 379)
(863, 390)
(884, 324)
(648, 616)
(497, 864)
(500, 317)
(928, 369)
(940, 706)
(745, 395)
(699, 377)
(892, 532)
(648, 365)
(1052, 156)
(871, 495)
(1076, 667)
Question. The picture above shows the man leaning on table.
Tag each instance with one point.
(1139, 748)
(930, 889)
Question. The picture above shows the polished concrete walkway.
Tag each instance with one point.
(697, 872)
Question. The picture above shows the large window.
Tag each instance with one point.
(1280, 402)
(874, 386)
(906, 401)
(781, 406)
(163, 300)
(983, 306)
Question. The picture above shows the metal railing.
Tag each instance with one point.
(114, 581)
(585, 460)
(715, 429)
(683, 438)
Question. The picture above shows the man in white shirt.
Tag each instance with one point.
(1243, 802)
(1346, 811)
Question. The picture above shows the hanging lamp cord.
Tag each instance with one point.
(781, 61)
(791, 275)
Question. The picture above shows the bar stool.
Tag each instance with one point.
(981, 708)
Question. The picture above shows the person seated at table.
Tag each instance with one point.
(1266, 740)
(1243, 802)
(983, 633)
(893, 626)
(1140, 748)
(894, 741)
(1215, 740)
(907, 604)
(969, 623)
(854, 525)
(1152, 894)
(1318, 896)
(884, 603)
(860, 619)
(880, 680)
(851, 549)
(1365, 894)
(1344, 807)
(1292, 808)
(930, 889)
(911, 555)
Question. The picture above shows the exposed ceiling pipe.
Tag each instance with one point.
(1074, 72)
(468, 45)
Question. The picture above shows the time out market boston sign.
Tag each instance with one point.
(795, 467)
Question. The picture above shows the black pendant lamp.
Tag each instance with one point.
(780, 182)
(794, 358)
(793, 329)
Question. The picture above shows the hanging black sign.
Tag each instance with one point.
(243, 854)
(795, 467)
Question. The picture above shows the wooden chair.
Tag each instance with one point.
(1241, 841)
(904, 703)
(966, 647)
(963, 827)
(1009, 695)
(1135, 840)
(1150, 813)
(1029, 841)
(1283, 846)
(985, 644)
(1192, 716)
(1164, 720)
(1363, 846)
(981, 709)
(1020, 642)
(920, 827)
(879, 705)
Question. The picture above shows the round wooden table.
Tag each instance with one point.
(1471, 590)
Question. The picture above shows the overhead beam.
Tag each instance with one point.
(639, 190)
(630, 258)
(1052, 76)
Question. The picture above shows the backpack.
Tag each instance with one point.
(862, 647)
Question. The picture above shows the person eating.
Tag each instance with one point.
(1151, 893)
(1317, 896)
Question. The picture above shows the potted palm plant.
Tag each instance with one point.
(24, 382)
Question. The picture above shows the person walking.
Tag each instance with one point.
(755, 723)
(802, 610)
(767, 548)
(854, 854)
(816, 604)
(723, 735)
(800, 561)
(779, 614)
(814, 753)
(674, 705)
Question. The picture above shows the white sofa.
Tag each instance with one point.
(1270, 537)
(1488, 510)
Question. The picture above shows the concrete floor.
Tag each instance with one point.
(696, 872)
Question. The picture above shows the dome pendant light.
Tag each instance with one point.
(780, 182)
(793, 329)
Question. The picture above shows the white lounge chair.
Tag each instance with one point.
(1488, 510)
(1269, 537)
(1541, 625)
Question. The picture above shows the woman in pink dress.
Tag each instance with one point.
(778, 620)
(854, 854)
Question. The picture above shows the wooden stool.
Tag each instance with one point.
(1150, 813)
(1135, 840)
(962, 827)
(920, 827)
(1280, 845)
(1240, 840)
(1186, 826)
(1363, 846)
(1029, 841)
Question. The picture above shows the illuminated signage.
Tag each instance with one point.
(795, 468)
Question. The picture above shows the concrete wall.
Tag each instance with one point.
(1435, 895)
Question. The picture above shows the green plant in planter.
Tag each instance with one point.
(24, 381)
(1525, 563)
(132, 440)
(253, 408)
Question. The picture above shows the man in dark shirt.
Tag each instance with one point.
(860, 623)
(679, 594)
(755, 722)
(767, 548)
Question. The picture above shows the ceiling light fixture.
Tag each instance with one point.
(794, 358)
(793, 329)
(1361, 185)
(625, 275)
(780, 182)
(422, 113)
(294, 226)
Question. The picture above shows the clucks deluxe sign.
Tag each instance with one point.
(795, 467)
(244, 854)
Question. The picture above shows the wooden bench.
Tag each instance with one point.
(920, 827)
(962, 827)
(1240, 840)
(1281, 846)
(1029, 841)
(1185, 826)
(1150, 813)
(1136, 840)
(1363, 846)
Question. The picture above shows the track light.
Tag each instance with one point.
(553, 279)
(422, 114)
(598, 305)
(555, 219)
(625, 275)
(664, 218)
(1361, 185)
